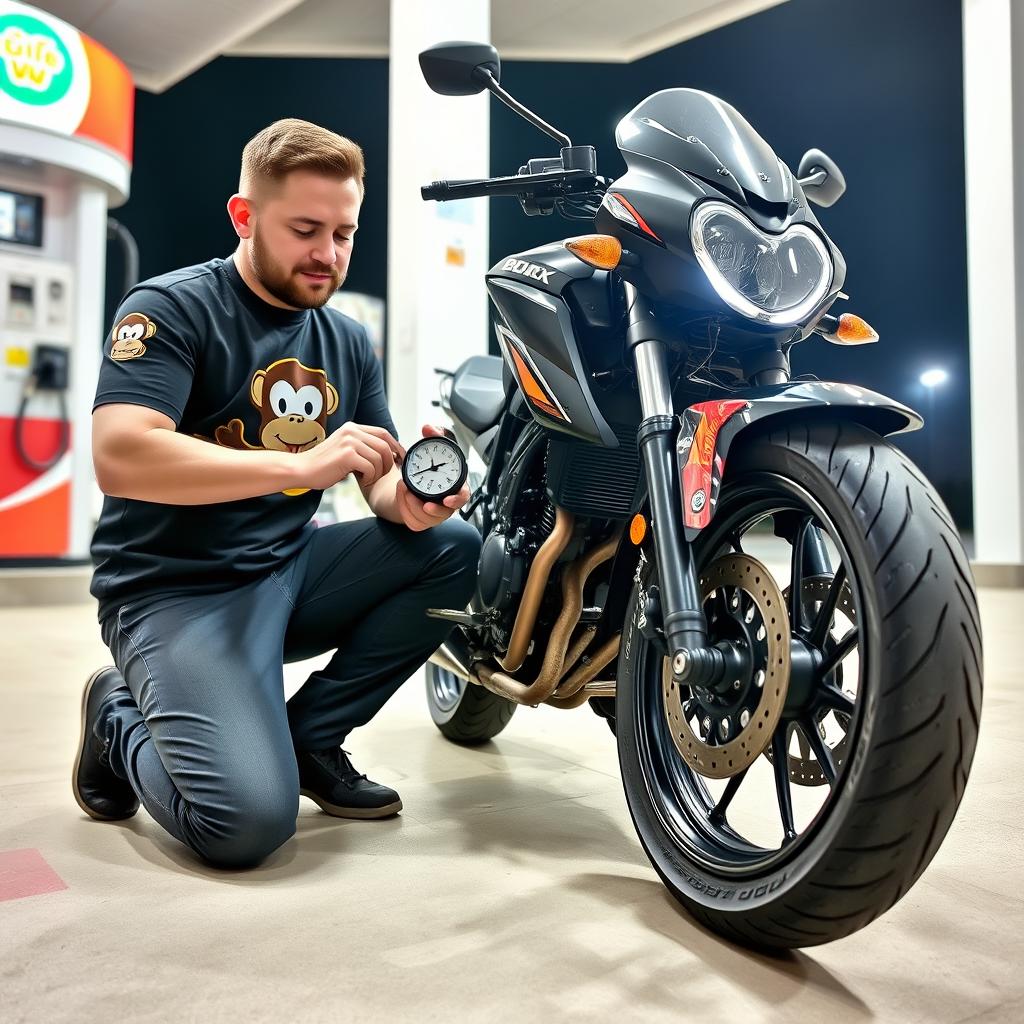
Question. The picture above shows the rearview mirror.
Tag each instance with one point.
(820, 178)
(459, 69)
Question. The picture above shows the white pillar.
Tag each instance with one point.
(437, 252)
(993, 30)
(89, 257)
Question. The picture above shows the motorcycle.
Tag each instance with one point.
(736, 569)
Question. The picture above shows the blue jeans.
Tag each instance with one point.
(201, 729)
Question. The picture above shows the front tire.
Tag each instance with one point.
(911, 731)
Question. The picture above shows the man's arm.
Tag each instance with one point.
(382, 496)
(390, 499)
(138, 454)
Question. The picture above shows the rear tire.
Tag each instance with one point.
(465, 713)
(912, 735)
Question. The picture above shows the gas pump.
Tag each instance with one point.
(66, 107)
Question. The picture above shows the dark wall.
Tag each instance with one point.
(878, 85)
(188, 147)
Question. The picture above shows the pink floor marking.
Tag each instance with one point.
(25, 873)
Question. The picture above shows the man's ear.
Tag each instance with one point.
(240, 211)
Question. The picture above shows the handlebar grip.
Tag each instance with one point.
(470, 188)
(436, 190)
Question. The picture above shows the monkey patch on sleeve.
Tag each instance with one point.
(129, 336)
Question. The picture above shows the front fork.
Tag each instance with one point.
(693, 660)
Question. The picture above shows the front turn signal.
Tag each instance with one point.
(850, 329)
(638, 529)
(601, 251)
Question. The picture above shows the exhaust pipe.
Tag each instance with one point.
(453, 655)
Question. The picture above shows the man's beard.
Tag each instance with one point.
(284, 286)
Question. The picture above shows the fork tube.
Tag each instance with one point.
(683, 618)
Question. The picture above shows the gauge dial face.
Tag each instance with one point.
(434, 468)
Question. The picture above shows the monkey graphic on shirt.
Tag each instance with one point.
(294, 402)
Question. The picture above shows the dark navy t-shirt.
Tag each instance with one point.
(201, 347)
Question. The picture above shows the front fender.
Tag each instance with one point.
(708, 430)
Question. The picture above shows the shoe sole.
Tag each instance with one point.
(362, 813)
(95, 815)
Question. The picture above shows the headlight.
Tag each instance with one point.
(776, 279)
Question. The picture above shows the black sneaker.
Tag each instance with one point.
(328, 778)
(99, 792)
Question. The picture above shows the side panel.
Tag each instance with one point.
(538, 341)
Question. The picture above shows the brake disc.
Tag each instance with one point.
(719, 732)
(804, 769)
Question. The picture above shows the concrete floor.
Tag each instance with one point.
(512, 888)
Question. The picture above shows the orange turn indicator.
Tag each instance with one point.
(601, 251)
(638, 529)
(853, 330)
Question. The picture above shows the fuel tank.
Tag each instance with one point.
(557, 321)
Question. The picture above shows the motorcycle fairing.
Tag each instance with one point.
(703, 136)
(539, 339)
(708, 430)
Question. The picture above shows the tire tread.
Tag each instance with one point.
(479, 717)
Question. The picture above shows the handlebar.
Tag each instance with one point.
(547, 184)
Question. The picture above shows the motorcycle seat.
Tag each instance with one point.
(478, 392)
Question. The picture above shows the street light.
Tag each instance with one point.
(934, 377)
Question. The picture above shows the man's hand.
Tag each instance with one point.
(369, 452)
(421, 515)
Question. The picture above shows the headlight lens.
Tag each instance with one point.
(776, 279)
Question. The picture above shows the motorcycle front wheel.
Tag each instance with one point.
(851, 784)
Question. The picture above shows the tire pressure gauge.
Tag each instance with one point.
(434, 468)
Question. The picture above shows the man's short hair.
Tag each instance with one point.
(292, 145)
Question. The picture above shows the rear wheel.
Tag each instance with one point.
(805, 829)
(464, 712)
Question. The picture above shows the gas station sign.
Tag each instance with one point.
(54, 77)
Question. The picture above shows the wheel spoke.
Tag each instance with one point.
(723, 602)
(803, 750)
(780, 765)
(841, 650)
(718, 811)
(816, 553)
(809, 729)
(834, 698)
(734, 540)
(796, 574)
(747, 603)
(823, 622)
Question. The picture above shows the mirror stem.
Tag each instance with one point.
(484, 76)
(816, 177)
